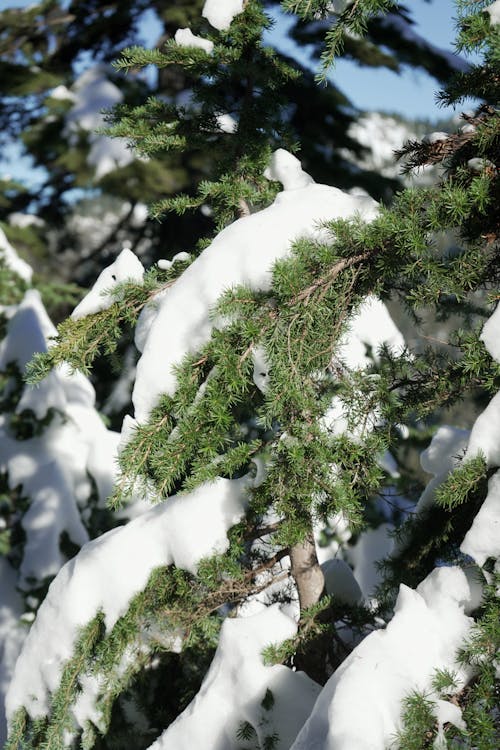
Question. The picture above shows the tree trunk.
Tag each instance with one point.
(307, 572)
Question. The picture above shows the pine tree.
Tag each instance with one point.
(265, 405)
(47, 101)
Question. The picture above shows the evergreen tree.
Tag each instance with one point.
(271, 386)
(53, 106)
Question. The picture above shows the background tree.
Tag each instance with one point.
(50, 44)
(269, 410)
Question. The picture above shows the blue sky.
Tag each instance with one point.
(412, 93)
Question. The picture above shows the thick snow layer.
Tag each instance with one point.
(92, 93)
(29, 330)
(494, 11)
(105, 576)
(372, 546)
(243, 253)
(235, 686)
(52, 469)
(439, 458)
(220, 13)
(485, 434)
(186, 38)
(127, 267)
(483, 538)
(490, 334)
(260, 368)
(12, 259)
(360, 705)
(12, 634)
(340, 581)
(446, 713)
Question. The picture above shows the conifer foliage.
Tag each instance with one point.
(237, 601)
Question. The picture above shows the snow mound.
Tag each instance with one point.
(494, 11)
(360, 705)
(52, 468)
(236, 685)
(92, 93)
(104, 577)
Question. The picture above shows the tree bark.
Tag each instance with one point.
(307, 572)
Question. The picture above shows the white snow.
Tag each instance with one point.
(485, 434)
(243, 253)
(220, 13)
(483, 538)
(105, 576)
(52, 468)
(227, 123)
(186, 38)
(235, 686)
(372, 546)
(287, 169)
(490, 334)
(62, 92)
(12, 634)
(381, 135)
(340, 581)
(18, 219)
(494, 11)
(91, 93)
(478, 165)
(12, 259)
(370, 328)
(435, 137)
(127, 267)
(440, 458)
(446, 713)
(360, 705)
(260, 368)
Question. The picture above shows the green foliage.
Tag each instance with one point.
(418, 722)
(219, 424)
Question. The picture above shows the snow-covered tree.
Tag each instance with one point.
(264, 468)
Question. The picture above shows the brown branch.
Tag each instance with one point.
(329, 277)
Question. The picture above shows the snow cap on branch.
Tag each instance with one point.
(242, 254)
(220, 13)
(127, 267)
(287, 169)
(483, 538)
(186, 38)
(494, 11)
